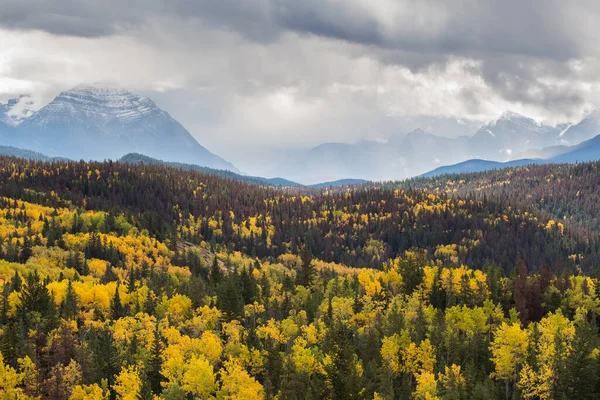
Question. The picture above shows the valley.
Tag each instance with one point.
(151, 280)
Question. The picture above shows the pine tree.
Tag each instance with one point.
(69, 306)
(155, 363)
(249, 286)
(215, 272)
(116, 307)
(34, 295)
(109, 275)
(342, 374)
(306, 273)
(229, 297)
(26, 250)
(16, 282)
(578, 379)
(131, 280)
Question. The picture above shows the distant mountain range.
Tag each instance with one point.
(135, 158)
(511, 137)
(588, 150)
(27, 154)
(477, 165)
(96, 123)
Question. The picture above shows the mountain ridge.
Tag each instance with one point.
(100, 122)
(136, 158)
(510, 137)
(588, 150)
(93, 122)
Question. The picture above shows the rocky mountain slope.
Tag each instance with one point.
(91, 122)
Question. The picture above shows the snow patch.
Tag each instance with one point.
(16, 110)
(99, 104)
(563, 131)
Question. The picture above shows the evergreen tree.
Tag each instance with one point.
(155, 363)
(249, 286)
(69, 306)
(229, 297)
(116, 307)
(345, 382)
(578, 377)
(215, 272)
(306, 273)
(26, 250)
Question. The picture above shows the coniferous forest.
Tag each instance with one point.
(123, 281)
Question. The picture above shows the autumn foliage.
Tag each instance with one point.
(142, 282)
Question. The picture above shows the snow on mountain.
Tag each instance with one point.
(514, 132)
(416, 152)
(98, 105)
(586, 129)
(16, 110)
(99, 122)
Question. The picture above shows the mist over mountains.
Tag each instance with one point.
(96, 123)
(511, 137)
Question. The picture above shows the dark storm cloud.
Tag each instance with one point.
(539, 28)
(65, 17)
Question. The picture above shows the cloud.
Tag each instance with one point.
(541, 28)
(270, 74)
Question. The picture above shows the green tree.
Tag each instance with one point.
(306, 272)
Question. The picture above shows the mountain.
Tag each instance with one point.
(27, 154)
(417, 152)
(339, 182)
(334, 161)
(478, 165)
(543, 153)
(423, 150)
(16, 110)
(586, 151)
(511, 133)
(7, 133)
(136, 158)
(90, 122)
(565, 192)
(584, 130)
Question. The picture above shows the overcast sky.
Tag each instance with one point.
(249, 76)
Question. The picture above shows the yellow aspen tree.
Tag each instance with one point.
(199, 378)
(508, 348)
(128, 384)
(238, 384)
(554, 346)
(426, 387)
(87, 392)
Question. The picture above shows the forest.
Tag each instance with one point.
(134, 281)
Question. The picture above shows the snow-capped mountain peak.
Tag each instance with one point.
(98, 122)
(511, 115)
(516, 121)
(98, 105)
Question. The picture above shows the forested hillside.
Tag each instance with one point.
(565, 192)
(143, 281)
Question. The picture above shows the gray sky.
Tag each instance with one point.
(251, 77)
